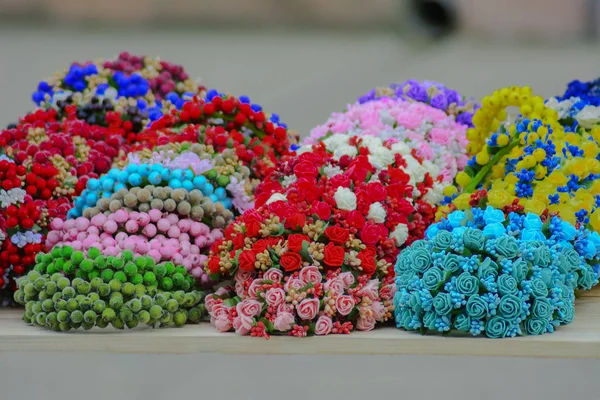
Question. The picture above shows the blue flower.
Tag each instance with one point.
(533, 222)
(594, 238)
(532, 234)
(455, 218)
(432, 231)
(492, 215)
(494, 230)
(568, 230)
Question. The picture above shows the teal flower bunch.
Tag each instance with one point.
(70, 290)
(501, 281)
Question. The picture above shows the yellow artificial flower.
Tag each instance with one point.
(534, 206)
(462, 201)
(499, 198)
(557, 178)
(442, 212)
(595, 220)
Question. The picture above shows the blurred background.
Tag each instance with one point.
(304, 59)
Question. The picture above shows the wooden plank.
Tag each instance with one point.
(581, 339)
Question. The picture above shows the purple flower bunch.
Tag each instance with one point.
(433, 93)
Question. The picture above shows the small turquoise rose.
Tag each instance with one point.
(486, 268)
(455, 218)
(562, 264)
(458, 232)
(452, 262)
(594, 238)
(590, 250)
(507, 246)
(429, 320)
(571, 256)
(432, 278)
(494, 230)
(420, 260)
(403, 262)
(542, 256)
(415, 302)
(542, 308)
(419, 244)
(442, 303)
(462, 323)
(474, 239)
(566, 312)
(539, 288)
(587, 279)
(535, 326)
(496, 327)
(443, 240)
(568, 230)
(493, 215)
(507, 285)
(520, 269)
(432, 231)
(467, 284)
(477, 308)
(510, 307)
(533, 222)
(530, 234)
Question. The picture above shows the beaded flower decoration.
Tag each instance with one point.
(485, 272)
(129, 89)
(532, 159)
(435, 94)
(70, 289)
(226, 122)
(44, 164)
(433, 135)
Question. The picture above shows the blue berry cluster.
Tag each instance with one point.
(75, 80)
(483, 272)
(135, 175)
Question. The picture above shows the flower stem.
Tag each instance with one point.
(488, 167)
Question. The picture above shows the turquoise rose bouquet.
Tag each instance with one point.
(486, 272)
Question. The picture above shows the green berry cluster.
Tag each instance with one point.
(124, 268)
(69, 290)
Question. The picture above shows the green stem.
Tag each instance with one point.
(488, 167)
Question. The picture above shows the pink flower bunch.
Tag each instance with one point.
(300, 304)
(428, 132)
(162, 236)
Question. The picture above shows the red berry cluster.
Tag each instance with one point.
(11, 175)
(265, 144)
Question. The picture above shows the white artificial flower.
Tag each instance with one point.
(588, 116)
(345, 199)
(330, 171)
(345, 151)
(336, 141)
(415, 170)
(400, 234)
(436, 194)
(377, 213)
(381, 157)
(288, 180)
(386, 118)
(371, 142)
(111, 93)
(13, 196)
(563, 107)
(400, 148)
(276, 197)
(304, 149)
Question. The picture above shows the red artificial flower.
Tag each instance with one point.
(306, 168)
(322, 210)
(339, 181)
(213, 265)
(308, 190)
(295, 221)
(291, 262)
(376, 191)
(370, 233)
(295, 241)
(239, 241)
(246, 260)
(367, 262)
(334, 255)
(260, 246)
(356, 219)
(337, 235)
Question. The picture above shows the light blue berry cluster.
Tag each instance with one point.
(497, 275)
(135, 175)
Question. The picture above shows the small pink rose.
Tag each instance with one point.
(283, 321)
(242, 324)
(285, 307)
(248, 307)
(311, 274)
(308, 309)
(240, 289)
(294, 283)
(378, 310)
(344, 304)
(209, 301)
(323, 325)
(222, 323)
(273, 274)
(365, 324)
(275, 297)
(242, 276)
(255, 286)
(347, 278)
(335, 285)
(370, 290)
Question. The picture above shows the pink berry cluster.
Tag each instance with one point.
(164, 237)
